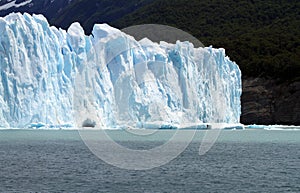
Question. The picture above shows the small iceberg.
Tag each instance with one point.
(36, 125)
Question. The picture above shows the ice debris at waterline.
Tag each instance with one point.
(50, 76)
(273, 127)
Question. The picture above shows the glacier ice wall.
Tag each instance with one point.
(55, 77)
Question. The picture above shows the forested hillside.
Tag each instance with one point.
(262, 36)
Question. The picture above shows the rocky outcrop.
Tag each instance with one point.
(267, 101)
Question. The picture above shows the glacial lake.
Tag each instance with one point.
(239, 161)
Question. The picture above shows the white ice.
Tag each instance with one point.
(50, 76)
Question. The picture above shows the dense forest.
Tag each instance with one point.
(262, 36)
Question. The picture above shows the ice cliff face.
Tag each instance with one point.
(55, 77)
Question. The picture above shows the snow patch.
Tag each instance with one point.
(11, 4)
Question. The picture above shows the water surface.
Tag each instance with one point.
(240, 161)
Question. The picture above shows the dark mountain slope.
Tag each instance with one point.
(262, 36)
(89, 12)
(62, 13)
(49, 8)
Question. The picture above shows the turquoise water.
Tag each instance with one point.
(240, 161)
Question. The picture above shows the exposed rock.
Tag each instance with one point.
(267, 101)
(88, 123)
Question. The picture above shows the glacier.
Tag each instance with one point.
(54, 77)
